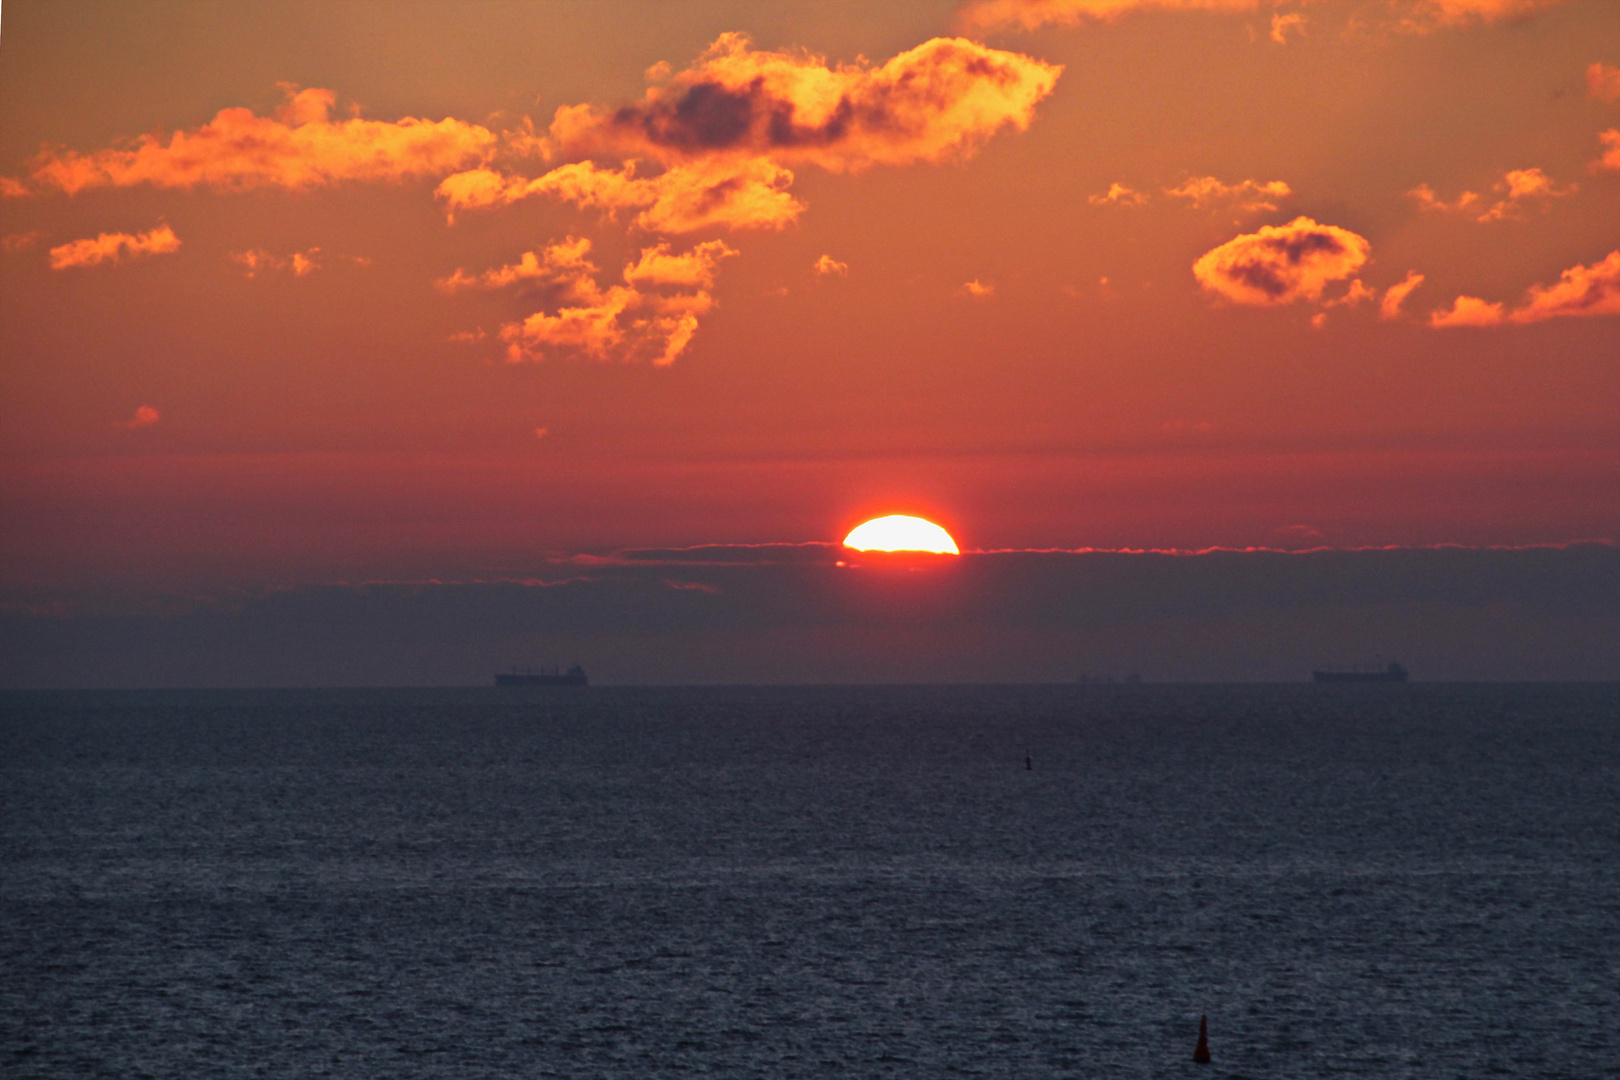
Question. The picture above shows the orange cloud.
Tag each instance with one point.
(1245, 196)
(1280, 264)
(20, 241)
(986, 15)
(253, 262)
(1468, 311)
(980, 290)
(829, 265)
(1395, 295)
(692, 269)
(721, 134)
(114, 247)
(1517, 189)
(145, 416)
(1120, 195)
(626, 322)
(1603, 82)
(298, 148)
(562, 263)
(1611, 155)
(739, 194)
(1580, 291)
(936, 102)
(1281, 24)
(11, 188)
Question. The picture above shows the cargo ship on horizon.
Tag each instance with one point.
(541, 676)
(1394, 673)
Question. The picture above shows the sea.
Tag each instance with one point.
(763, 882)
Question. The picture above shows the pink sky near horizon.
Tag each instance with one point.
(227, 361)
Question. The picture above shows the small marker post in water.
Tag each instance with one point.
(1029, 762)
(1201, 1051)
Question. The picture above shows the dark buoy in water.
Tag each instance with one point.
(1201, 1051)
(1029, 763)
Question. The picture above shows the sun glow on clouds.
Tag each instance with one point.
(899, 532)
(720, 135)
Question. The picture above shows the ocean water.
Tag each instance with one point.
(1406, 881)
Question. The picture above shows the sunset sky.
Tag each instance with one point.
(302, 296)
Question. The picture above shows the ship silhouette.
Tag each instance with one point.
(541, 676)
(1392, 674)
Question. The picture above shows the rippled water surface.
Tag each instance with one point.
(1417, 881)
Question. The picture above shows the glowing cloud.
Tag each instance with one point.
(1603, 82)
(1245, 196)
(1580, 291)
(1281, 24)
(899, 532)
(1395, 295)
(145, 416)
(1280, 264)
(980, 290)
(299, 148)
(829, 265)
(1611, 155)
(692, 269)
(938, 101)
(722, 133)
(623, 323)
(257, 260)
(1517, 189)
(114, 248)
(1118, 195)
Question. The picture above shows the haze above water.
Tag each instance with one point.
(1414, 881)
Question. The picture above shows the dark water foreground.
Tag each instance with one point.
(1417, 881)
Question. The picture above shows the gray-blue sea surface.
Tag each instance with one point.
(1368, 881)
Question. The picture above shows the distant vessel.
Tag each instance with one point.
(539, 676)
(1393, 673)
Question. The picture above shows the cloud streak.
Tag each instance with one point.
(115, 248)
(1245, 196)
(298, 148)
(983, 16)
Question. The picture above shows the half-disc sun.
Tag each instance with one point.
(897, 532)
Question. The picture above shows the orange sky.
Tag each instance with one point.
(1079, 273)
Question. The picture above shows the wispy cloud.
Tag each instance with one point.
(1280, 264)
(644, 319)
(1118, 195)
(1282, 23)
(300, 147)
(257, 260)
(1395, 295)
(826, 264)
(1579, 291)
(1603, 82)
(145, 416)
(1245, 196)
(1610, 140)
(114, 248)
(987, 15)
(1517, 191)
(980, 290)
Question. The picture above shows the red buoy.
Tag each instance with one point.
(1201, 1051)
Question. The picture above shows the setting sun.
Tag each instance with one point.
(897, 532)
